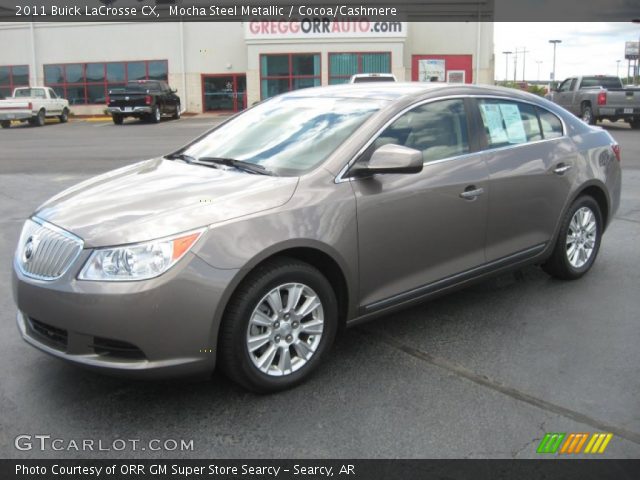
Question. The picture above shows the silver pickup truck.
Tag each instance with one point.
(599, 97)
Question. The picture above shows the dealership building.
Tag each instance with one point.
(225, 66)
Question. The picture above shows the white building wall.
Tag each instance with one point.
(219, 48)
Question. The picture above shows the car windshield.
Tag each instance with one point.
(142, 87)
(30, 92)
(287, 136)
(604, 82)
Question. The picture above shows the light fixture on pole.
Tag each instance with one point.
(506, 68)
(553, 72)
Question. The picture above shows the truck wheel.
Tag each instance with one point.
(5, 124)
(156, 115)
(64, 118)
(117, 119)
(176, 115)
(39, 119)
(587, 115)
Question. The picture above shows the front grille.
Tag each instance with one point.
(52, 336)
(46, 252)
(117, 349)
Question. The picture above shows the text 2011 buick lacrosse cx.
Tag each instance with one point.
(251, 246)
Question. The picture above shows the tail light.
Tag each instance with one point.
(602, 98)
(616, 151)
(30, 106)
(147, 99)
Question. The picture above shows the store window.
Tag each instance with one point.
(13, 76)
(88, 83)
(343, 65)
(280, 73)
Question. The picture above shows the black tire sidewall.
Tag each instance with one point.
(41, 118)
(243, 370)
(571, 271)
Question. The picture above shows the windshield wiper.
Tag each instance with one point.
(231, 162)
(180, 156)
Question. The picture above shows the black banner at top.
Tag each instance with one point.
(316, 10)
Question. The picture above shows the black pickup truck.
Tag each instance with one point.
(148, 100)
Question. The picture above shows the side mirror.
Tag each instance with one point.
(390, 158)
(173, 90)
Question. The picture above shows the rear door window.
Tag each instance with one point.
(509, 123)
(551, 124)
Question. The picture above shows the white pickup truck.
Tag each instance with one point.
(33, 104)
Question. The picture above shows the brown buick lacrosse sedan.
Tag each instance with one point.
(323, 207)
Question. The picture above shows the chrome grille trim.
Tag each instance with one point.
(54, 250)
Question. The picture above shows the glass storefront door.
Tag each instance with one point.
(224, 93)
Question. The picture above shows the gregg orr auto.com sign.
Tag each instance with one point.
(323, 28)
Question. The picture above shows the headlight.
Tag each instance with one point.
(139, 261)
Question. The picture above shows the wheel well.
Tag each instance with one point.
(585, 103)
(328, 267)
(599, 196)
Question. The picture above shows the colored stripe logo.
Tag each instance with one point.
(573, 443)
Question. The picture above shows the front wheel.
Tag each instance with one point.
(587, 115)
(117, 119)
(64, 118)
(278, 326)
(176, 115)
(635, 124)
(578, 241)
(5, 123)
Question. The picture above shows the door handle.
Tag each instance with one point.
(471, 192)
(562, 168)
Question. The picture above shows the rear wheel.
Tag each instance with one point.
(578, 241)
(635, 124)
(176, 115)
(117, 119)
(64, 118)
(5, 124)
(39, 119)
(587, 115)
(156, 115)
(278, 326)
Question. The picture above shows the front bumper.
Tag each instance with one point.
(158, 328)
(130, 110)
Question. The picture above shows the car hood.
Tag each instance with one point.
(160, 197)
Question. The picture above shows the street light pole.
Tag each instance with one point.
(553, 72)
(538, 76)
(506, 67)
(618, 68)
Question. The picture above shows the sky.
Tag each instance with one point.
(586, 48)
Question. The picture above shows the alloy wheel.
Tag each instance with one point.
(581, 237)
(285, 329)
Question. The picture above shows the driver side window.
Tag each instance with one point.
(437, 129)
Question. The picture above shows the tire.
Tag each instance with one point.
(279, 278)
(587, 115)
(117, 119)
(156, 115)
(176, 115)
(635, 124)
(64, 118)
(39, 119)
(5, 123)
(564, 264)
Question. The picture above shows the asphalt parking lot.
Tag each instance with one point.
(484, 372)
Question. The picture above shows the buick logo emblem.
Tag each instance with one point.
(30, 248)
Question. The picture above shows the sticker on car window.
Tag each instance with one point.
(492, 118)
(513, 121)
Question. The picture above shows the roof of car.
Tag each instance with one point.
(394, 90)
